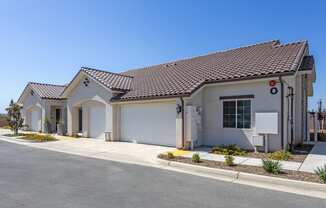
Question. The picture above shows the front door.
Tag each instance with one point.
(80, 120)
(57, 118)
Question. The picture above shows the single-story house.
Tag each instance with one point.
(41, 103)
(206, 100)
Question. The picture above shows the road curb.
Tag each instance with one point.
(279, 184)
(225, 175)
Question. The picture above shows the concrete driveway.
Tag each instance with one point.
(96, 148)
(38, 178)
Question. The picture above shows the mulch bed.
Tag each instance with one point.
(287, 174)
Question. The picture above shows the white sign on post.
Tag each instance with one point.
(266, 123)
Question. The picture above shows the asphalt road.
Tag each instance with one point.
(36, 178)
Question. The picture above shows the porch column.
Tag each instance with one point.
(179, 125)
(46, 114)
(72, 120)
(115, 122)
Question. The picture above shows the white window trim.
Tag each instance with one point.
(236, 110)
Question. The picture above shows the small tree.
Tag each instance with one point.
(15, 119)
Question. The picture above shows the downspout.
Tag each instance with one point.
(182, 124)
(282, 112)
(291, 118)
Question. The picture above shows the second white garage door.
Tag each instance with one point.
(149, 123)
(35, 120)
(97, 121)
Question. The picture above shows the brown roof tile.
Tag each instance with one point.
(47, 91)
(111, 80)
(184, 76)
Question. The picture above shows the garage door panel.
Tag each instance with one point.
(149, 123)
(35, 120)
(97, 121)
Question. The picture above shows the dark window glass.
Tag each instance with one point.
(229, 114)
(237, 114)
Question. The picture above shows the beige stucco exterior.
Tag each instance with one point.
(45, 107)
(158, 122)
(207, 108)
(86, 97)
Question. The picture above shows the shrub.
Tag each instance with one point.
(272, 166)
(39, 138)
(321, 172)
(170, 155)
(232, 149)
(196, 158)
(280, 155)
(229, 160)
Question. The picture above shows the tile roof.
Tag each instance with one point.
(111, 80)
(307, 63)
(184, 76)
(47, 91)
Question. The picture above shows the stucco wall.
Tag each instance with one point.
(213, 133)
(84, 96)
(32, 103)
(264, 101)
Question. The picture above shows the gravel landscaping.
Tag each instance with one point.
(298, 155)
(287, 174)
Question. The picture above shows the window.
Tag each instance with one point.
(237, 114)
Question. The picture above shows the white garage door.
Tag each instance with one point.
(149, 123)
(97, 121)
(35, 120)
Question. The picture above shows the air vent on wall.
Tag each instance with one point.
(86, 82)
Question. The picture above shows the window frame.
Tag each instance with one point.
(236, 112)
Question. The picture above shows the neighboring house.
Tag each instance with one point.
(206, 100)
(43, 102)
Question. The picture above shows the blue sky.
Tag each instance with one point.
(48, 41)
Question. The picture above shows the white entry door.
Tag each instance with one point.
(97, 121)
(152, 123)
(35, 120)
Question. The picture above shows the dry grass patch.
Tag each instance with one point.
(39, 137)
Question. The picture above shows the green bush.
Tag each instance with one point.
(272, 166)
(231, 149)
(39, 137)
(229, 160)
(280, 155)
(196, 158)
(321, 172)
(170, 155)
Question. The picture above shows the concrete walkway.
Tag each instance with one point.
(316, 158)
